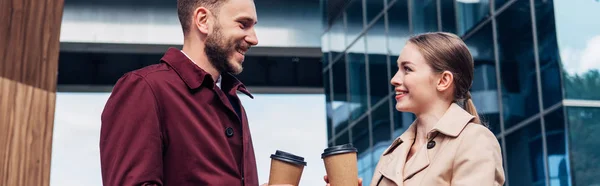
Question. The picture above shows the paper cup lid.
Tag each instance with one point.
(340, 149)
(288, 157)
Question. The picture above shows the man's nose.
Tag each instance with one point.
(251, 38)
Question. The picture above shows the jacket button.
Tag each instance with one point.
(229, 132)
(430, 144)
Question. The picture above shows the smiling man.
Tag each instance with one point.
(180, 122)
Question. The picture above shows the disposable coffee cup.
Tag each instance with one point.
(340, 164)
(286, 168)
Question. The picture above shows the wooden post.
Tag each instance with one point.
(29, 46)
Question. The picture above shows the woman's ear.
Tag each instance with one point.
(445, 81)
(201, 17)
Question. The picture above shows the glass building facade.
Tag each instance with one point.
(537, 80)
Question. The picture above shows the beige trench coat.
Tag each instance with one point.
(464, 154)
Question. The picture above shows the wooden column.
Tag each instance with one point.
(29, 46)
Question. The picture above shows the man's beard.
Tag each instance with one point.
(218, 52)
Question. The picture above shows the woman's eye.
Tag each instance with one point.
(407, 69)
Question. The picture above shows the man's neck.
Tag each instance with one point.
(196, 53)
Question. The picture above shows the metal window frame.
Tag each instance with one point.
(499, 88)
(539, 87)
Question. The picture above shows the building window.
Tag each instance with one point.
(525, 159)
(470, 13)
(378, 65)
(424, 16)
(584, 126)
(517, 64)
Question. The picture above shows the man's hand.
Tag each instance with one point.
(327, 181)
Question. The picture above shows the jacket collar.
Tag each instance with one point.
(452, 123)
(230, 82)
(194, 76)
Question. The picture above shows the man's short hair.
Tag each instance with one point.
(185, 9)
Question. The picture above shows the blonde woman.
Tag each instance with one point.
(446, 144)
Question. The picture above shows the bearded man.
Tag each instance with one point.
(180, 122)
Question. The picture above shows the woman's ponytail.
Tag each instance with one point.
(470, 108)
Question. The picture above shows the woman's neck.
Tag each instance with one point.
(427, 120)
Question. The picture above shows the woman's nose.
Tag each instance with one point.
(396, 80)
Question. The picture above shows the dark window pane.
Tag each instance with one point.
(328, 107)
(329, 128)
(358, 79)
(374, 8)
(339, 123)
(579, 45)
(402, 120)
(340, 106)
(484, 90)
(448, 16)
(584, 127)
(470, 14)
(360, 135)
(393, 68)
(548, 53)
(324, 14)
(398, 32)
(337, 37)
(343, 139)
(354, 21)
(424, 16)
(525, 156)
(557, 154)
(325, 49)
(492, 120)
(378, 71)
(517, 64)
(380, 118)
(499, 3)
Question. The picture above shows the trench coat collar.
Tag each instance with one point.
(451, 124)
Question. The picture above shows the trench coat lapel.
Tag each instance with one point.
(394, 157)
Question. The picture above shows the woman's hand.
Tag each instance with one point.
(266, 184)
(327, 181)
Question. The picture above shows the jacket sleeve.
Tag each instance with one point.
(130, 135)
(478, 160)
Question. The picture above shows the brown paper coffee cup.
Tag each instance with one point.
(340, 164)
(286, 168)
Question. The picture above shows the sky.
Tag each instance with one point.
(293, 123)
(578, 38)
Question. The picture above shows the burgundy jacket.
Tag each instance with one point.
(169, 124)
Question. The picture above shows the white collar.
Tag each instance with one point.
(218, 82)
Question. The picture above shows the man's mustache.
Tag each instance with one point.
(243, 45)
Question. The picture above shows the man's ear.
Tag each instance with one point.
(201, 19)
(445, 81)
